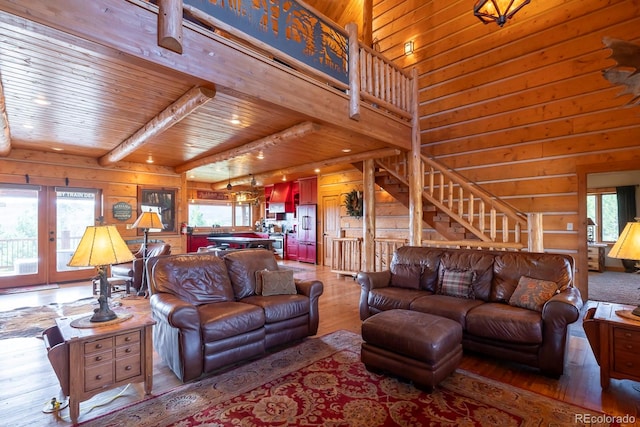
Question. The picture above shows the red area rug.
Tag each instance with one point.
(321, 382)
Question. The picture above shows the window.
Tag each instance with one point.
(602, 207)
(219, 214)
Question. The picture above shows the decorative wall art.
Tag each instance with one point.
(163, 201)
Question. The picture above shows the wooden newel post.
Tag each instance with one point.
(354, 71)
(416, 173)
(536, 232)
(170, 25)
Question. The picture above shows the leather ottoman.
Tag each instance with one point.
(417, 346)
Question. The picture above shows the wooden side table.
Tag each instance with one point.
(615, 341)
(106, 356)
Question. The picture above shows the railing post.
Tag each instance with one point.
(354, 71)
(170, 25)
(535, 231)
(416, 175)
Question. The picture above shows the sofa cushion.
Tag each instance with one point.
(445, 306)
(194, 278)
(456, 283)
(280, 307)
(277, 282)
(533, 293)
(389, 298)
(510, 266)
(427, 258)
(242, 266)
(503, 322)
(228, 319)
(406, 276)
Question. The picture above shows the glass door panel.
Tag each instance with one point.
(20, 261)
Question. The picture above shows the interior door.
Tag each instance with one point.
(330, 224)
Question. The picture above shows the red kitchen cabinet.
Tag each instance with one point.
(307, 233)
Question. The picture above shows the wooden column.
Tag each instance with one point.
(5, 134)
(170, 25)
(367, 23)
(354, 71)
(416, 175)
(369, 216)
(535, 231)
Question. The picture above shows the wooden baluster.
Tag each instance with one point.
(492, 224)
(470, 208)
(460, 202)
(450, 191)
(505, 228)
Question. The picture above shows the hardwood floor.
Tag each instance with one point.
(27, 382)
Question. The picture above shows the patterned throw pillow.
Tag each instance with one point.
(533, 293)
(457, 283)
(278, 282)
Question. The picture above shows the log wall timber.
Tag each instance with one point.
(118, 184)
(519, 109)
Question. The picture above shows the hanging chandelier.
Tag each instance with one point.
(497, 11)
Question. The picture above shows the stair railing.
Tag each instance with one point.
(479, 212)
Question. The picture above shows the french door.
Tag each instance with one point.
(40, 228)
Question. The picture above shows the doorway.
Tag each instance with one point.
(40, 230)
(331, 225)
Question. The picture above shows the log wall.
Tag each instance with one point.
(522, 108)
(118, 184)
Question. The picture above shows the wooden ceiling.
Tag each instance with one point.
(65, 94)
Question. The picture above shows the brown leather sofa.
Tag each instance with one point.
(491, 325)
(209, 314)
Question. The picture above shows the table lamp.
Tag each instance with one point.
(146, 220)
(628, 247)
(100, 246)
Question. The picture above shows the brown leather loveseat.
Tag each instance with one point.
(212, 311)
(511, 305)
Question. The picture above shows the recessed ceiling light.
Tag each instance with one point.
(149, 159)
(346, 150)
(41, 101)
(284, 177)
(235, 120)
(316, 170)
(27, 126)
(57, 149)
(260, 155)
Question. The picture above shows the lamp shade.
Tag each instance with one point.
(497, 10)
(148, 220)
(628, 244)
(100, 245)
(590, 222)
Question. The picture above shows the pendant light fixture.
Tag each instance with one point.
(497, 11)
(229, 186)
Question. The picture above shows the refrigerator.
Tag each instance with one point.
(307, 233)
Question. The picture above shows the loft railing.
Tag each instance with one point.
(491, 220)
(297, 35)
(347, 254)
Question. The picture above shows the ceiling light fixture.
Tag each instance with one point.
(346, 150)
(260, 155)
(229, 186)
(497, 11)
(408, 47)
(253, 180)
(150, 159)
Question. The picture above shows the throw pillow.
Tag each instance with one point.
(278, 282)
(259, 281)
(406, 276)
(533, 293)
(457, 283)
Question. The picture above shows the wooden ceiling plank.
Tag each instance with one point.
(294, 132)
(352, 158)
(185, 105)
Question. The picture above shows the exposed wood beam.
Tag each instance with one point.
(294, 132)
(353, 158)
(170, 25)
(5, 135)
(185, 105)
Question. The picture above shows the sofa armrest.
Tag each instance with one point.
(176, 335)
(367, 282)
(557, 314)
(312, 289)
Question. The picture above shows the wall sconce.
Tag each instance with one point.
(408, 47)
(497, 10)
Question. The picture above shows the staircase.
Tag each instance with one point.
(464, 214)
